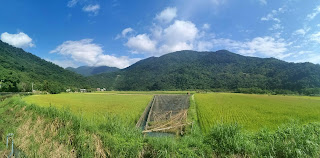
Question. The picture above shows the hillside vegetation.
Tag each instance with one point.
(91, 70)
(221, 70)
(19, 69)
(183, 70)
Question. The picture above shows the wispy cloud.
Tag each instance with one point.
(315, 37)
(263, 2)
(93, 9)
(124, 33)
(316, 11)
(260, 46)
(276, 27)
(72, 3)
(206, 26)
(218, 2)
(305, 56)
(272, 15)
(301, 32)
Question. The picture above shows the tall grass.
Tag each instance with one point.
(289, 140)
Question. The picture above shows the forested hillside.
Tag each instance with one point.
(183, 70)
(91, 70)
(19, 69)
(222, 70)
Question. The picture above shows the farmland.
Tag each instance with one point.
(254, 112)
(114, 137)
(94, 105)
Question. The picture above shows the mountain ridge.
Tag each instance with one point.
(92, 70)
(183, 70)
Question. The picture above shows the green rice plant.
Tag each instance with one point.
(254, 112)
(93, 106)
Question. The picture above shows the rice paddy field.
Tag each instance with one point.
(254, 112)
(94, 106)
(115, 137)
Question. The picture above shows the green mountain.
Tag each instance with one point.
(19, 69)
(185, 70)
(90, 70)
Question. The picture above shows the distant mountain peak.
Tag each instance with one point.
(183, 70)
(92, 70)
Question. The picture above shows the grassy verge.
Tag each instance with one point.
(48, 132)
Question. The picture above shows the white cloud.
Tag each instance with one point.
(141, 44)
(260, 46)
(20, 39)
(167, 15)
(272, 15)
(180, 31)
(264, 2)
(72, 3)
(315, 37)
(316, 11)
(180, 35)
(94, 9)
(267, 46)
(86, 52)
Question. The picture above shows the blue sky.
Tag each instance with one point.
(118, 33)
